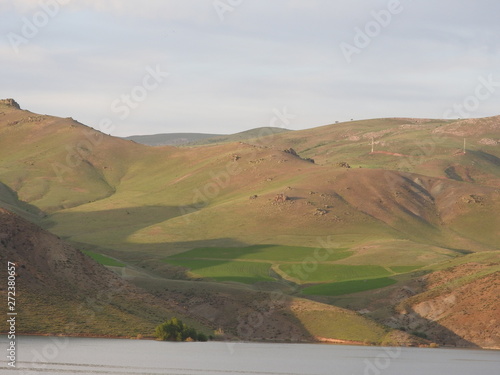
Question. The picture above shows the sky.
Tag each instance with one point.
(131, 67)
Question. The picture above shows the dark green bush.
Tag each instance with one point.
(175, 330)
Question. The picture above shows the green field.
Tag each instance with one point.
(103, 259)
(252, 264)
(265, 252)
(324, 272)
(348, 287)
(238, 271)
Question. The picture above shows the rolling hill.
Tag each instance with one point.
(351, 222)
(169, 139)
(197, 139)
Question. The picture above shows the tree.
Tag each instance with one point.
(175, 330)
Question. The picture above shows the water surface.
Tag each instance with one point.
(62, 356)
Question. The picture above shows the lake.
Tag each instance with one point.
(61, 356)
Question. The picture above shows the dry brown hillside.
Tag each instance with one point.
(57, 283)
(457, 306)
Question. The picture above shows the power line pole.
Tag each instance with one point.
(372, 145)
(464, 145)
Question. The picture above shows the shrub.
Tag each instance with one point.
(202, 337)
(175, 330)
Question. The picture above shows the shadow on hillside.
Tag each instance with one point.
(239, 311)
(435, 332)
(246, 309)
(410, 322)
(486, 156)
(9, 200)
(110, 232)
(246, 306)
(129, 217)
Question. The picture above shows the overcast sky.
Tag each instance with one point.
(223, 66)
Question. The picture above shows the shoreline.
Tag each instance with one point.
(320, 341)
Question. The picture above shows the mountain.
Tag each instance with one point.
(197, 139)
(170, 139)
(247, 135)
(221, 229)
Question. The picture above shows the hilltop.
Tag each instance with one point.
(169, 139)
(199, 139)
(191, 218)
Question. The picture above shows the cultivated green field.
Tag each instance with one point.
(296, 264)
(103, 259)
(348, 287)
(238, 271)
(325, 272)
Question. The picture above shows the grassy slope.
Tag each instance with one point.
(251, 134)
(60, 290)
(142, 204)
(430, 146)
(169, 139)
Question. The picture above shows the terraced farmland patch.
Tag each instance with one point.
(301, 265)
(324, 272)
(347, 287)
(238, 271)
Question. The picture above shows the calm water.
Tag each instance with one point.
(61, 356)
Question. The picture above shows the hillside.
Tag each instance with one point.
(458, 304)
(247, 135)
(170, 139)
(424, 146)
(221, 228)
(61, 290)
(199, 139)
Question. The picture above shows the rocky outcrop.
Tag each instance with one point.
(343, 164)
(281, 198)
(9, 103)
(291, 151)
(454, 311)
